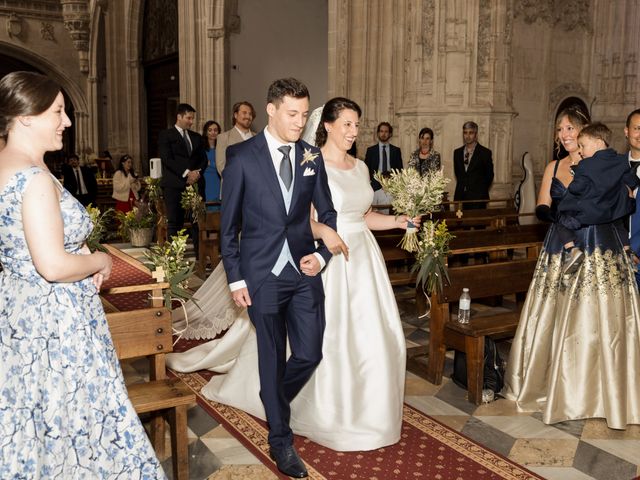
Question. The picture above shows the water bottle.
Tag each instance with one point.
(464, 306)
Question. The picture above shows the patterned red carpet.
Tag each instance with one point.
(428, 449)
(123, 274)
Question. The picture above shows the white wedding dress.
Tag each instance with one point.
(354, 399)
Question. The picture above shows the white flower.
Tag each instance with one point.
(308, 156)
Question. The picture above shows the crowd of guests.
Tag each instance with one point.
(575, 354)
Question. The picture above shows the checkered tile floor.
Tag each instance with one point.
(576, 450)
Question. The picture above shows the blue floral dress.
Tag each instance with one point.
(64, 409)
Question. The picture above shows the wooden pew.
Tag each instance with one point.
(209, 241)
(147, 332)
(485, 280)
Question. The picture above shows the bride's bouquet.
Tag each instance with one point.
(431, 257)
(413, 195)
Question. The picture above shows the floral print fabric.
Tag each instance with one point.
(64, 409)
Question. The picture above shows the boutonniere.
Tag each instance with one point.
(308, 157)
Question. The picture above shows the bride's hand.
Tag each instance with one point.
(334, 243)
(403, 220)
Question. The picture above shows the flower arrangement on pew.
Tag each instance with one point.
(192, 203)
(176, 268)
(431, 257)
(413, 195)
(140, 217)
(100, 221)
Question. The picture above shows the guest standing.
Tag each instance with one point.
(243, 116)
(64, 408)
(210, 133)
(632, 134)
(575, 354)
(382, 157)
(125, 185)
(80, 181)
(473, 166)
(425, 158)
(178, 147)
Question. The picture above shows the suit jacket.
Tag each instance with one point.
(372, 159)
(176, 159)
(225, 139)
(474, 183)
(597, 194)
(90, 182)
(253, 204)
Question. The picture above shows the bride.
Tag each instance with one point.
(354, 399)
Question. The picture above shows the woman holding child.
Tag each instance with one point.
(575, 354)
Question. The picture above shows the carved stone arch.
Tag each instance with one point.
(73, 90)
(75, 136)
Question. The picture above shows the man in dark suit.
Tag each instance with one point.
(270, 182)
(382, 156)
(181, 153)
(80, 181)
(473, 166)
(632, 134)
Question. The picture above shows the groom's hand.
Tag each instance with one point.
(309, 265)
(241, 297)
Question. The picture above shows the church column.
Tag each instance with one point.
(203, 34)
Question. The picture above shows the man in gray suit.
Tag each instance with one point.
(243, 116)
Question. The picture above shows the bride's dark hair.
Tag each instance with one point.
(330, 114)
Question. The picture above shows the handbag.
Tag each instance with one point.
(493, 373)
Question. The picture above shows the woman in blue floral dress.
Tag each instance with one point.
(64, 409)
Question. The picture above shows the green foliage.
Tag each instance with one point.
(431, 257)
(177, 270)
(140, 216)
(153, 190)
(100, 221)
(192, 203)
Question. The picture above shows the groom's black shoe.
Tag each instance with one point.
(289, 462)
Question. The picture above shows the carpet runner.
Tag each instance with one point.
(125, 272)
(427, 449)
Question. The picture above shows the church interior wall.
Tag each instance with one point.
(506, 64)
(277, 38)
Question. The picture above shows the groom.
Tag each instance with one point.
(270, 182)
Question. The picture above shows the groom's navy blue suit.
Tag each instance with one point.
(289, 303)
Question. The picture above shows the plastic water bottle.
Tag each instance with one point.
(464, 306)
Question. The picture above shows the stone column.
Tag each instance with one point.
(76, 20)
(203, 34)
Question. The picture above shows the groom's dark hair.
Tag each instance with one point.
(286, 87)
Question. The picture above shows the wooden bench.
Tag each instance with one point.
(147, 332)
(209, 241)
(486, 280)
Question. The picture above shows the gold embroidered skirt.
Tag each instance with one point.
(576, 353)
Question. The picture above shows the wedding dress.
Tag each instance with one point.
(354, 399)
